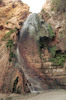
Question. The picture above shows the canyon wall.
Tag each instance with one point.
(43, 36)
(12, 15)
(57, 20)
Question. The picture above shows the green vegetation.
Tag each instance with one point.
(58, 60)
(0, 1)
(58, 5)
(11, 56)
(57, 57)
(10, 44)
(53, 51)
(51, 33)
(8, 34)
(7, 23)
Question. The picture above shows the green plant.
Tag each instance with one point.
(11, 56)
(9, 33)
(58, 60)
(53, 50)
(52, 34)
(10, 44)
(7, 23)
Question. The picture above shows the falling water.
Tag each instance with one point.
(33, 28)
(34, 85)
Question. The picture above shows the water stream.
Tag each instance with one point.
(35, 82)
(33, 28)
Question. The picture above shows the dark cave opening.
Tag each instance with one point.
(14, 85)
(58, 52)
(43, 42)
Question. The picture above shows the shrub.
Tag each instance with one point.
(51, 33)
(57, 57)
(10, 46)
(11, 56)
(7, 23)
(9, 33)
(58, 60)
(53, 50)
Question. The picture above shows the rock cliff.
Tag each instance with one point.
(56, 18)
(40, 59)
(12, 15)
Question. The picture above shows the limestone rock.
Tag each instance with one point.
(58, 23)
(11, 15)
(34, 27)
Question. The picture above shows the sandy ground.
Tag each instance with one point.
(46, 95)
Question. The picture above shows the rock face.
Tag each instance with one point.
(28, 48)
(57, 21)
(47, 5)
(35, 26)
(38, 73)
(12, 14)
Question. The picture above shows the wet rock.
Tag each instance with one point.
(33, 28)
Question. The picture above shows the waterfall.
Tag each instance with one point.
(34, 27)
(34, 86)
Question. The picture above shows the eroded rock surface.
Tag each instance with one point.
(33, 29)
(12, 15)
(57, 20)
